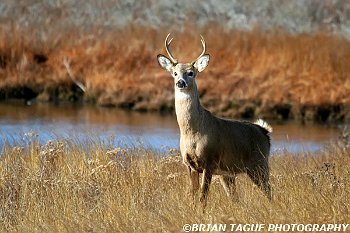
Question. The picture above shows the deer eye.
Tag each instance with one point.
(175, 74)
(190, 73)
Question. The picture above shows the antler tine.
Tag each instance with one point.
(167, 48)
(203, 52)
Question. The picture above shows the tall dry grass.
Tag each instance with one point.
(265, 73)
(63, 187)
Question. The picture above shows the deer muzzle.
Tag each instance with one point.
(181, 84)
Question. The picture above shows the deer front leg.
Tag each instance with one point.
(229, 184)
(207, 175)
(194, 178)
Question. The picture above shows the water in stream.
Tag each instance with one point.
(20, 123)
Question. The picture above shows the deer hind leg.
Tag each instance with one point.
(229, 185)
(207, 175)
(194, 178)
(260, 176)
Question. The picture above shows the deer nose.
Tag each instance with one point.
(181, 84)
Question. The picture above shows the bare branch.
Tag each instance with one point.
(66, 63)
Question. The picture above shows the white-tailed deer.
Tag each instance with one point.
(211, 145)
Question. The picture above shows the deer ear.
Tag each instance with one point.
(165, 62)
(202, 62)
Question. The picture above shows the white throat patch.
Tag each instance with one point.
(180, 95)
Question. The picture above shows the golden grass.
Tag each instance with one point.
(63, 187)
(250, 72)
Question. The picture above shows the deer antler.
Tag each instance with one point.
(203, 44)
(167, 48)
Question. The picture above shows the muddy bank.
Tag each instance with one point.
(130, 101)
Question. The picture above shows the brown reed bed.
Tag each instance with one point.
(271, 74)
(64, 187)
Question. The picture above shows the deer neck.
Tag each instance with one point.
(188, 110)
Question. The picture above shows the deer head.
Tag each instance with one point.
(184, 74)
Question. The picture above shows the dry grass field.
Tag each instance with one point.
(62, 187)
(271, 74)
